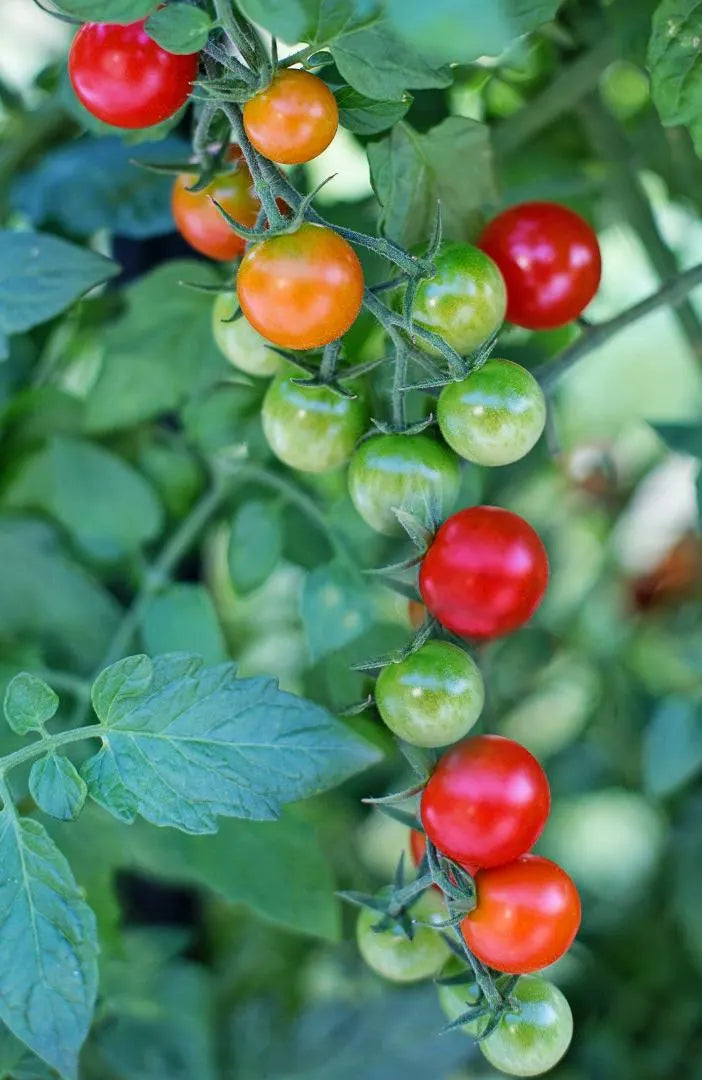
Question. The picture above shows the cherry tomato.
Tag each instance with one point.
(464, 301)
(240, 343)
(456, 998)
(533, 1036)
(411, 473)
(199, 221)
(550, 260)
(495, 415)
(301, 290)
(527, 915)
(486, 802)
(124, 78)
(392, 954)
(416, 613)
(418, 845)
(485, 574)
(433, 697)
(292, 120)
(310, 427)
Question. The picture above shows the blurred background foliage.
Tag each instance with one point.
(229, 957)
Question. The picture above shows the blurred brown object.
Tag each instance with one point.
(676, 578)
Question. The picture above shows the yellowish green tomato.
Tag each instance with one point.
(465, 301)
(311, 428)
(533, 1037)
(494, 416)
(433, 697)
(458, 998)
(240, 343)
(407, 472)
(392, 954)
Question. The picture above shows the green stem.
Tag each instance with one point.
(330, 359)
(238, 34)
(300, 56)
(670, 295)
(47, 745)
(201, 133)
(264, 188)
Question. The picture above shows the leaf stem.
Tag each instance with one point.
(48, 744)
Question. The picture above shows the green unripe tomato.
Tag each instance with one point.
(458, 998)
(494, 416)
(393, 955)
(533, 1037)
(433, 697)
(466, 299)
(240, 343)
(409, 472)
(310, 427)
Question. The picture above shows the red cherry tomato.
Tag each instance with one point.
(124, 78)
(418, 845)
(292, 120)
(527, 915)
(486, 802)
(485, 574)
(550, 260)
(199, 221)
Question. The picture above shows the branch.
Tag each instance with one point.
(670, 295)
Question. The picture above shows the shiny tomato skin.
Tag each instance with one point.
(533, 1036)
(550, 259)
(485, 573)
(301, 290)
(124, 78)
(294, 119)
(526, 917)
(392, 954)
(486, 802)
(199, 221)
(311, 428)
(240, 343)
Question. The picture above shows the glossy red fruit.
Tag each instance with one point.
(550, 259)
(485, 574)
(199, 221)
(124, 78)
(486, 802)
(527, 915)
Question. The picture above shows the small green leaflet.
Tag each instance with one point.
(674, 63)
(179, 28)
(191, 742)
(114, 11)
(364, 116)
(40, 276)
(183, 618)
(335, 609)
(29, 703)
(411, 173)
(57, 788)
(48, 938)
(255, 544)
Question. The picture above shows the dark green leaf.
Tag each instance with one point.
(364, 116)
(40, 276)
(255, 544)
(335, 609)
(56, 787)
(179, 28)
(47, 939)
(380, 65)
(682, 438)
(673, 61)
(29, 703)
(112, 510)
(191, 743)
(114, 11)
(672, 748)
(412, 172)
(315, 21)
(183, 619)
(163, 344)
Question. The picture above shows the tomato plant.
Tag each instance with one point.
(534, 1033)
(485, 573)
(294, 119)
(311, 427)
(393, 954)
(199, 221)
(239, 342)
(123, 77)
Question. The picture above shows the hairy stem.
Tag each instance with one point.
(47, 744)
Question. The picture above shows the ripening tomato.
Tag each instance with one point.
(199, 221)
(404, 472)
(485, 573)
(486, 802)
(240, 343)
(433, 697)
(550, 260)
(292, 120)
(465, 300)
(418, 845)
(310, 427)
(527, 915)
(534, 1035)
(124, 78)
(392, 954)
(495, 415)
(301, 290)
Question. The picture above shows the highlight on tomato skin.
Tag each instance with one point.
(293, 119)
(200, 222)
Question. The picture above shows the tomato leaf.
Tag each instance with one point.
(57, 787)
(315, 21)
(179, 28)
(40, 276)
(255, 545)
(673, 61)
(683, 438)
(183, 618)
(380, 65)
(335, 609)
(114, 11)
(364, 116)
(411, 172)
(191, 743)
(672, 748)
(47, 937)
(29, 703)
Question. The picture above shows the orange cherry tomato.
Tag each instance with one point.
(199, 221)
(292, 120)
(301, 290)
